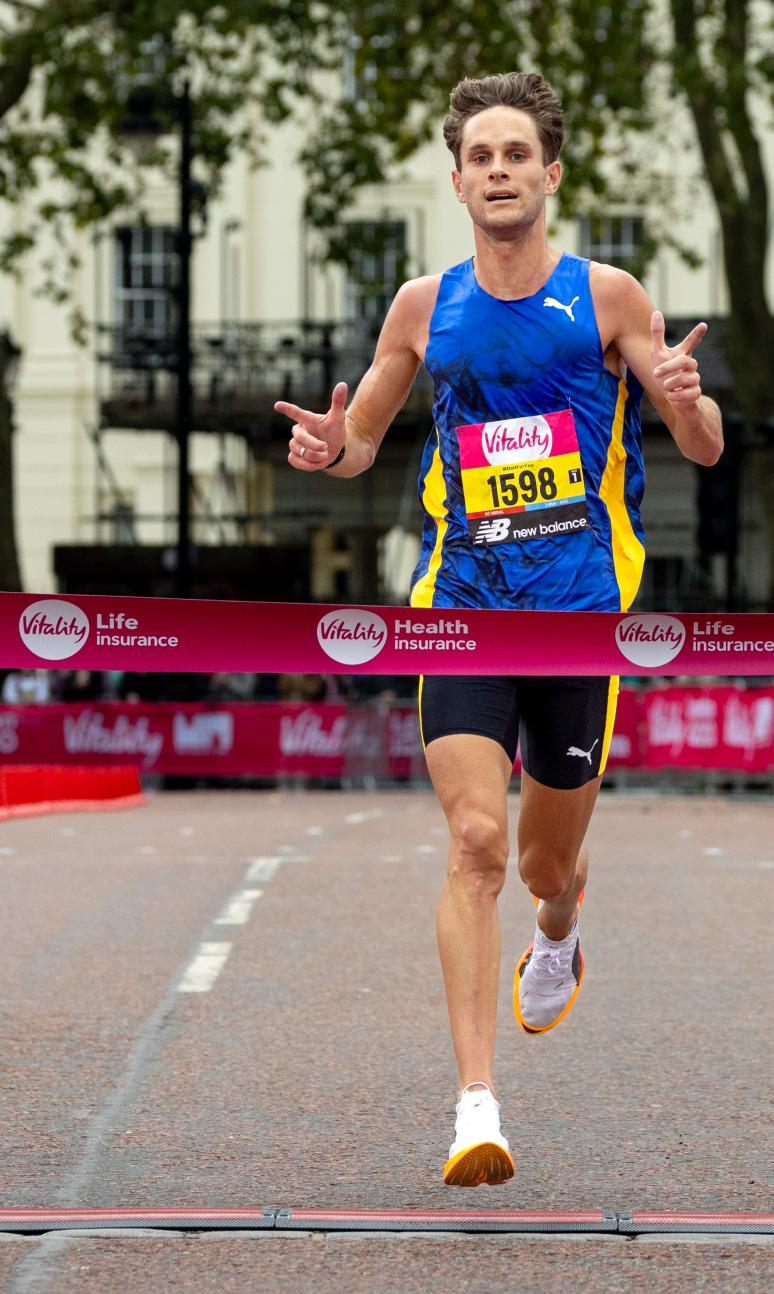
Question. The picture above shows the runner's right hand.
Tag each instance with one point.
(316, 438)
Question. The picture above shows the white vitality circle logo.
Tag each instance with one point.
(650, 639)
(53, 629)
(517, 440)
(351, 636)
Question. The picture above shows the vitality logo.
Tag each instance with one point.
(351, 635)
(650, 639)
(53, 629)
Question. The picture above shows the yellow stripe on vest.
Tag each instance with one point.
(628, 552)
(434, 500)
(612, 703)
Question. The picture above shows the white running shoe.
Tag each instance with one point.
(547, 981)
(479, 1154)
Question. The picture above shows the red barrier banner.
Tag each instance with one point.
(702, 727)
(259, 739)
(251, 739)
(627, 743)
(163, 634)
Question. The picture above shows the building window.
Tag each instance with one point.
(145, 279)
(613, 240)
(377, 267)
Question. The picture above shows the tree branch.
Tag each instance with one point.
(16, 69)
(739, 122)
(692, 79)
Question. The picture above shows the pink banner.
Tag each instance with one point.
(259, 739)
(160, 634)
(710, 727)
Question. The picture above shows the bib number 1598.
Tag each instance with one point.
(508, 491)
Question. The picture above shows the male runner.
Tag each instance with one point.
(531, 483)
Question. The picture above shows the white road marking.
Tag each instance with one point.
(743, 864)
(685, 834)
(202, 972)
(68, 831)
(7, 851)
(713, 852)
(238, 911)
(314, 831)
(146, 849)
(262, 869)
(426, 849)
(186, 831)
(366, 815)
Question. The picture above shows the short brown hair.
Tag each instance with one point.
(527, 91)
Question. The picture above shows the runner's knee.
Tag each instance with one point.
(479, 852)
(547, 877)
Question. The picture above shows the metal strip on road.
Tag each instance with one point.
(644, 1223)
(443, 1220)
(35, 1220)
(546, 1222)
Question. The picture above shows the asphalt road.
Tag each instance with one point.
(234, 999)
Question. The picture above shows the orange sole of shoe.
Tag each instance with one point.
(528, 1028)
(484, 1165)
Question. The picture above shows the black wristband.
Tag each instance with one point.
(338, 457)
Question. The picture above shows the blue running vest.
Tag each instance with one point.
(501, 371)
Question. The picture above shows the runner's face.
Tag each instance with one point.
(502, 178)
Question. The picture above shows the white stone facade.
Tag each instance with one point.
(249, 266)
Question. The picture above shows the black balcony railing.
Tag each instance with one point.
(238, 371)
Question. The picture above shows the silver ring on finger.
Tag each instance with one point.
(302, 451)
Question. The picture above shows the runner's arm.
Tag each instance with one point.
(382, 392)
(669, 374)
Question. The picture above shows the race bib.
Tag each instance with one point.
(522, 478)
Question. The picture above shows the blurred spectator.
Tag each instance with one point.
(380, 687)
(135, 686)
(183, 686)
(301, 687)
(26, 687)
(266, 687)
(81, 685)
(236, 686)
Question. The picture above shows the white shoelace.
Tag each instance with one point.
(553, 961)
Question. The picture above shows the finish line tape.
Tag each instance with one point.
(167, 634)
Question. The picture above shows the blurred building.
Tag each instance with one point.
(96, 463)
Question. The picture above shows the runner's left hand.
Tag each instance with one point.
(674, 367)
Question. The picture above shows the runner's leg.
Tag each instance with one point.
(552, 860)
(565, 730)
(470, 775)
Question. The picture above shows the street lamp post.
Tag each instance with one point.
(140, 128)
(184, 389)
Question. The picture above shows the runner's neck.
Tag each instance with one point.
(510, 270)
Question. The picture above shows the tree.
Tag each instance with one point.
(374, 83)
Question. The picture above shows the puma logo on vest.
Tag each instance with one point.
(559, 305)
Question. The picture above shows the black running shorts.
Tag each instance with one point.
(563, 726)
